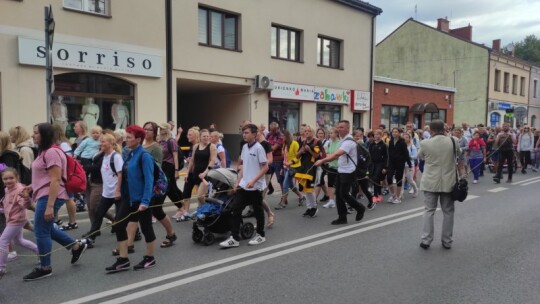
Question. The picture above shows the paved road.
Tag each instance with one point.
(494, 260)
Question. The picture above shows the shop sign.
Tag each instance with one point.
(495, 117)
(292, 91)
(79, 57)
(322, 94)
(361, 101)
(503, 106)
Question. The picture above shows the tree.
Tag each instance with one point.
(529, 49)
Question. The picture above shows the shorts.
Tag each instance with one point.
(332, 176)
(495, 155)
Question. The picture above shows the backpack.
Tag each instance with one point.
(13, 159)
(363, 160)
(227, 158)
(181, 156)
(161, 183)
(33, 148)
(76, 176)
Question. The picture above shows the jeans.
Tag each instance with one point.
(509, 157)
(447, 207)
(287, 181)
(45, 231)
(276, 167)
(475, 164)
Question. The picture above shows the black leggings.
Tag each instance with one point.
(144, 218)
(104, 205)
(395, 169)
(157, 207)
(174, 194)
(525, 159)
(377, 178)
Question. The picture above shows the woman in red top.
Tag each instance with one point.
(476, 154)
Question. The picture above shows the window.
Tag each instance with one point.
(507, 82)
(514, 84)
(394, 116)
(285, 43)
(218, 29)
(522, 86)
(329, 52)
(357, 120)
(497, 80)
(100, 7)
(328, 116)
(432, 116)
(286, 114)
(535, 88)
(533, 122)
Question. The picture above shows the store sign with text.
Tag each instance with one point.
(293, 91)
(79, 57)
(361, 101)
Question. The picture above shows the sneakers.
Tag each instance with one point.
(229, 243)
(396, 201)
(415, 194)
(411, 191)
(37, 273)
(307, 213)
(12, 255)
(475, 181)
(324, 199)
(339, 221)
(313, 212)
(330, 204)
(2, 273)
(121, 264)
(360, 215)
(258, 239)
(69, 226)
(385, 191)
(371, 204)
(76, 253)
(131, 249)
(147, 262)
(523, 171)
(390, 199)
(182, 218)
(534, 169)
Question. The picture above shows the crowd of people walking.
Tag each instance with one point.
(136, 169)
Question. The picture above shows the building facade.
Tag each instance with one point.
(109, 67)
(508, 88)
(534, 97)
(272, 61)
(396, 102)
(440, 56)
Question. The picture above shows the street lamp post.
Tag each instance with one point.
(49, 35)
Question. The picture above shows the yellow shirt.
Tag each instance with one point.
(291, 154)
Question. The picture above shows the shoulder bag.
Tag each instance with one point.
(461, 188)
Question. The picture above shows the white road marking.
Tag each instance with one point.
(173, 275)
(470, 197)
(498, 189)
(147, 292)
(526, 180)
(526, 184)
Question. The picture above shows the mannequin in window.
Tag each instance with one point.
(90, 113)
(120, 115)
(59, 113)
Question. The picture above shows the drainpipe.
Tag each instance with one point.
(371, 69)
(168, 56)
(487, 90)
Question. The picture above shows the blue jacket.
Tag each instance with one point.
(140, 176)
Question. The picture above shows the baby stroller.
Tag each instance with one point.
(212, 216)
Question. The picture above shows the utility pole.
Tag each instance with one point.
(49, 35)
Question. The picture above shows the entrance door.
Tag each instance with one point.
(417, 120)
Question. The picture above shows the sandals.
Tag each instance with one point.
(169, 241)
(69, 226)
(270, 221)
(116, 252)
(302, 201)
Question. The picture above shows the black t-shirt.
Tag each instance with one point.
(267, 146)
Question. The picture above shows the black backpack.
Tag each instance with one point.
(13, 159)
(181, 156)
(363, 160)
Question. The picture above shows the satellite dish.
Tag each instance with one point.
(509, 47)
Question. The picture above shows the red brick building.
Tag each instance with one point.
(397, 101)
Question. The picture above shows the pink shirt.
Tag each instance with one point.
(41, 181)
(15, 206)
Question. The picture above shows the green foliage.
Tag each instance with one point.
(529, 49)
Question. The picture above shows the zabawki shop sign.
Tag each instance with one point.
(283, 90)
(80, 57)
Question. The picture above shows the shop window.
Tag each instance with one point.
(286, 114)
(357, 120)
(285, 43)
(99, 7)
(429, 117)
(328, 116)
(329, 52)
(218, 29)
(93, 98)
(394, 116)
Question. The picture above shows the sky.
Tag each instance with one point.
(508, 20)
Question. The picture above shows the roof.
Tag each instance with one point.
(435, 29)
(414, 84)
(362, 6)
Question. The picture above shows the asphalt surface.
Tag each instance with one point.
(305, 260)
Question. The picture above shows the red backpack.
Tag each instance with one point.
(76, 177)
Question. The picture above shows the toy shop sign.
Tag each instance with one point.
(79, 57)
(293, 91)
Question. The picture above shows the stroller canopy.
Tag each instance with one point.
(224, 175)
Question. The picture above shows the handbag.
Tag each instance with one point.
(461, 187)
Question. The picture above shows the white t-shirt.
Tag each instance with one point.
(345, 165)
(219, 148)
(253, 157)
(107, 174)
(66, 148)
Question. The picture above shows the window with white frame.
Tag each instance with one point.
(100, 7)
(535, 88)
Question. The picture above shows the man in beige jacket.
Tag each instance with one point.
(437, 182)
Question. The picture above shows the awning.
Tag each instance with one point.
(427, 107)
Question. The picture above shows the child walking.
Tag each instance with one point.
(14, 205)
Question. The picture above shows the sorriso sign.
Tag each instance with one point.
(79, 57)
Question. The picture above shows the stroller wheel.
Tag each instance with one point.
(208, 239)
(197, 235)
(247, 230)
